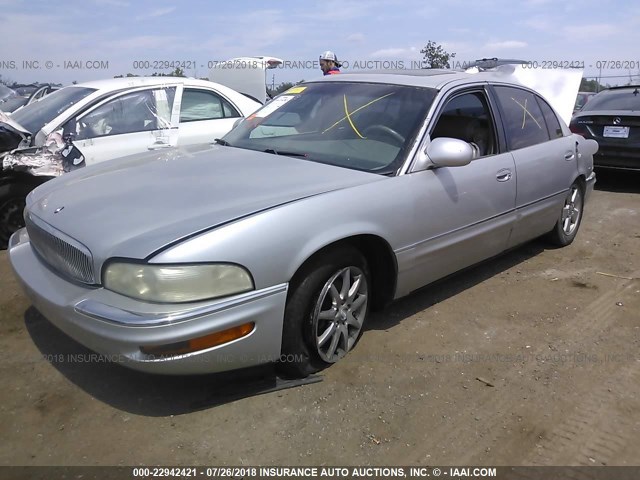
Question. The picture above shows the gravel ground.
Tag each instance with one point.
(529, 359)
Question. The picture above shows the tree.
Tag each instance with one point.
(283, 87)
(128, 75)
(435, 56)
(178, 72)
(590, 85)
(6, 81)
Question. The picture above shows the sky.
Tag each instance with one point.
(69, 40)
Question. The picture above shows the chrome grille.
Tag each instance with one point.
(66, 256)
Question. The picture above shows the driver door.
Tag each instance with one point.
(129, 123)
(463, 214)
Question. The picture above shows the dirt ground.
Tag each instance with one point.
(530, 359)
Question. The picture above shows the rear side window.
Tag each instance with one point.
(553, 125)
(524, 122)
(204, 105)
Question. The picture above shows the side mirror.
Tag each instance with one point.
(236, 123)
(450, 152)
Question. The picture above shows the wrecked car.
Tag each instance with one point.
(102, 120)
(26, 95)
(378, 184)
(7, 96)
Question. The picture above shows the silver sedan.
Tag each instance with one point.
(274, 244)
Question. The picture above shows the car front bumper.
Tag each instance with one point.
(116, 326)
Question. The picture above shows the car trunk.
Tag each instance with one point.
(617, 134)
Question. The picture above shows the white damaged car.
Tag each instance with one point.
(101, 120)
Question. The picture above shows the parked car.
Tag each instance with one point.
(336, 197)
(103, 120)
(26, 95)
(612, 118)
(6, 94)
(581, 100)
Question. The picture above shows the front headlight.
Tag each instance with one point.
(176, 283)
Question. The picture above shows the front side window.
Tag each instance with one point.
(204, 105)
(467, 117)
(141, 111)
(363, 126)
(523, 119)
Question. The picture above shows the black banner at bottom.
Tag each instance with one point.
(319, 472)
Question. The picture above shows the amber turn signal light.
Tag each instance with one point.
(200, 343)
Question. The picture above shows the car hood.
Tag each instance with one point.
(134, 206)
(559, 86)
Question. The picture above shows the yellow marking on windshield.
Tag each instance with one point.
(357, 110)
(346, 111)
(296, 90)
(525, 112)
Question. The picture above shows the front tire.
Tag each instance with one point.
(12, 202)
(325, 313)
(567, 226)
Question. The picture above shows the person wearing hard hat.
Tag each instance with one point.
(329, 63)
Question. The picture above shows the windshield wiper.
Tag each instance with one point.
(222, 142)
(284, 152)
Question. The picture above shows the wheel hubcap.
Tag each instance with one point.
(571, 211)
(339, 313)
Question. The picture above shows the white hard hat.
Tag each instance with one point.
(329, 55)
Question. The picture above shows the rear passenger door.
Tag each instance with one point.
(545, 160)
(204, 116)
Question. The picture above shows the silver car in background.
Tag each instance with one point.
(337, 197)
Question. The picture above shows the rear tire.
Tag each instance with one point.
(568, 224)
(325, 313)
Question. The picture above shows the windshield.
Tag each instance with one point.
(10, 104)
(363, 126)
(26, 91)
(623, 99)
(35, 116)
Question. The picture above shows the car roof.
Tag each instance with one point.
(430, 78)
(113, 84)
(558, 86)
(620, 87)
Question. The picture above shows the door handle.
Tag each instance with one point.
(569, 156)
(503, 175)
